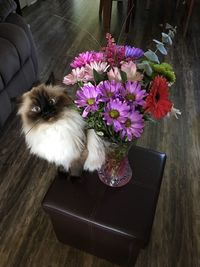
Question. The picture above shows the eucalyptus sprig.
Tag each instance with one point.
(151, 64)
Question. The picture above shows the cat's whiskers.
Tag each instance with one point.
(90, 34)
(50, 113)
(32, 127)
(84, 30)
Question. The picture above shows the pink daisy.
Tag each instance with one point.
(77, 75)
(100, 67)
(86, 58)
(131, 71)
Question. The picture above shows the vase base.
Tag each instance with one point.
(116, 171)
(116, 180)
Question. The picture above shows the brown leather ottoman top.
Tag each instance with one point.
(113, 223)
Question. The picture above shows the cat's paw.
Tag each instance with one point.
(75, 174)
(96, 152)
(93, 164)
(62, 173)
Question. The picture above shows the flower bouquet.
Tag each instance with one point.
(119, 89)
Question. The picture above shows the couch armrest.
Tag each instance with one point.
(18, 20)
(6, 7)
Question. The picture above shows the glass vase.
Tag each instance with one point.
(116, 170)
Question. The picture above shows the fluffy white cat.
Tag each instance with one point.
(55, 131)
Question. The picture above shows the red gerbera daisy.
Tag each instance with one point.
(157, 102)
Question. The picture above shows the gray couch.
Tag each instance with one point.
(18, 60)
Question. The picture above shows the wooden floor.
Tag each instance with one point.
(61, 29)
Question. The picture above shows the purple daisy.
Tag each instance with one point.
(133, 126)
(88, 98)
(109, 89)
(133, 52)
(86, 58)
(134, 93)
(116, 113)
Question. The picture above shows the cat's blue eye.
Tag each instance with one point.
(52, 101)
(36, 109)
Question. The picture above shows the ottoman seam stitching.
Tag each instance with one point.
(95, 223)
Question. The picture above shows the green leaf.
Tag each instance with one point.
(97, 76)
(171, 34)
(168, 26)
(175, 29)
(151, 56)
(167, 66)
(166, 38)
(141, 66)
(161, 48)
(170, 75)
(80, 84)
(123, 75)
(152, 120)
(157, 42)
(144, 65)
(166, 70)
(148, 69)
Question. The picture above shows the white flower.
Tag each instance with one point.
(78, 74)
(114, 75)
(174, 112)
(100, 67)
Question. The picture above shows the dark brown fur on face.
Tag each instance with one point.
(45, 103)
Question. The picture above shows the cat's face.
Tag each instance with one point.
(43, 104)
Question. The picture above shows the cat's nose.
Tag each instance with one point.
(48, 114)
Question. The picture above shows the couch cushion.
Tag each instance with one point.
(16, 47)
(9, 60)
(6, 7)
(22, 80)
(5, 107)
(18, 38)
(18, 62)
(14, 18)
(1, 84)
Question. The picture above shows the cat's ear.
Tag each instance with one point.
(20, 99)
(51, 80)
(20, 102)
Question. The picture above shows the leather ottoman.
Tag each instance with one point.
(112, 223)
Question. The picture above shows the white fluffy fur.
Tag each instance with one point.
(96, 149)
(63, 142)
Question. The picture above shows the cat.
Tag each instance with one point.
(56, 132)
